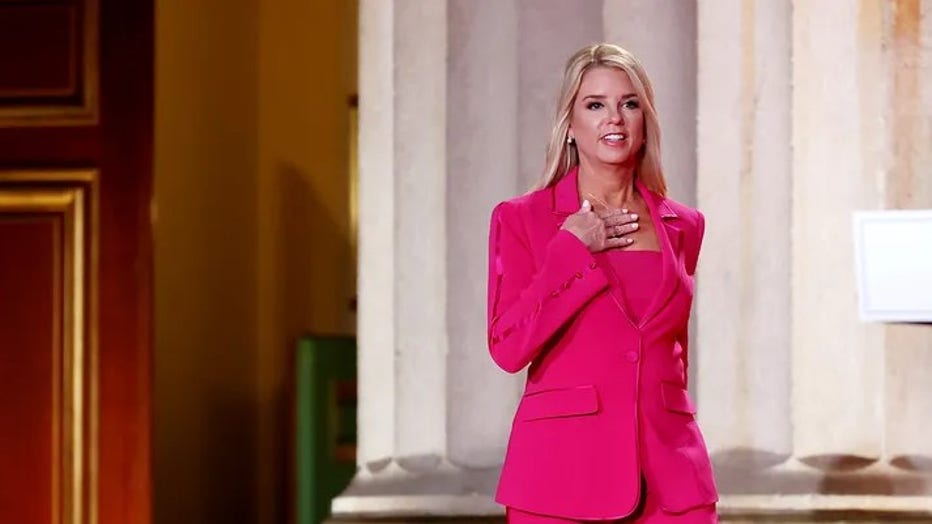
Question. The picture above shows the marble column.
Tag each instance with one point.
(835, 418)
(743, 295)
(455, 102)
(907, 423)
(809, 111)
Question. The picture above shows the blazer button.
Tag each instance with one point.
(554, 293)
(632, 356)
(593, 265)
(578, 274)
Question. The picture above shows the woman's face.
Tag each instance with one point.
(607, 122)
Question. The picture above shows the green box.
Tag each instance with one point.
(325, 423)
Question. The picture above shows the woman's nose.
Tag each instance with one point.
(615, 115)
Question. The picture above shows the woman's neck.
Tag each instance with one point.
(612, 188)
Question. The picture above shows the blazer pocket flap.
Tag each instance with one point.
(553, 403)
(676, 398)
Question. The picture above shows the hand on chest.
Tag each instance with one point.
(644, 236)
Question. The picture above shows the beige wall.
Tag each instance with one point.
(252, 239)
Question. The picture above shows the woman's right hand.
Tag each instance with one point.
(600, 231)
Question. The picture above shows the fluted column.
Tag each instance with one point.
(743, 298)
(403, 337)
(908, 348)
(809, 111)
(482, 166)
(453, 93)
(833, 154)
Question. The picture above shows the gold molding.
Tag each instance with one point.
(76, 176)
(72, 197)
(85, 114)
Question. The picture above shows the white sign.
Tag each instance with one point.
(893, 258)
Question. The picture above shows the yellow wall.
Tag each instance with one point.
(252, 238)
(205, 260)
(307, 71)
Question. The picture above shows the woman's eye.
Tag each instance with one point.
(594, 105)
(631, 104)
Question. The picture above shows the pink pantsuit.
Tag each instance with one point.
(605, 403)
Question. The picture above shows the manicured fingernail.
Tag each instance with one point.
(629, 240)
(634, 226)
(634, 216)
(586, 204)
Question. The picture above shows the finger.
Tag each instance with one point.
(621, 218)
(621, 230)
(608, 212)
(615, 242)
(619, 221)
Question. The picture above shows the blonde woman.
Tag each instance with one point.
(591, 285)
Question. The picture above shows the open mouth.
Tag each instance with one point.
(615, 138)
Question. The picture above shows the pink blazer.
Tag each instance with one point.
(578, 446)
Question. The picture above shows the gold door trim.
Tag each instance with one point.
(71, 197)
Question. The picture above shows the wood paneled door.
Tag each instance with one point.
(76, 102)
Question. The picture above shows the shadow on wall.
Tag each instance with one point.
(316, 258)
(315, 269)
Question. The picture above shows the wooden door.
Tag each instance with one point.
(75, 260)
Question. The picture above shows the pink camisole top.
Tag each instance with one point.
(637, 277)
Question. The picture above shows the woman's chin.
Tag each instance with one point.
(617, 160)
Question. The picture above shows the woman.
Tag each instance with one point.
(591, 283)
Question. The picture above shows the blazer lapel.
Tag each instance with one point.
(670, 222)
(669, 238)
(565, 195)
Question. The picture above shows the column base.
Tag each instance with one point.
(396, 493)
(736, 509)
(803, 509)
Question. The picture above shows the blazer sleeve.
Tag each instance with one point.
(692, 261)
(527, 304)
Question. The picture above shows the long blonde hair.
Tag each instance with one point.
(562, 156)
